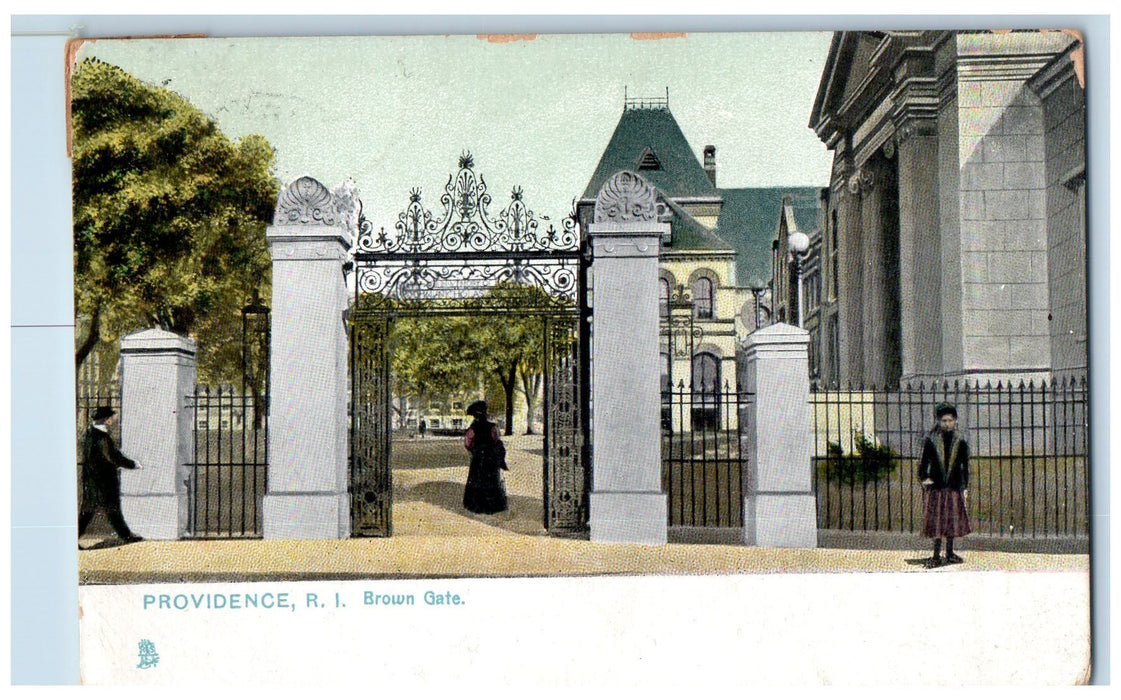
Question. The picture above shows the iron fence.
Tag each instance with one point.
(1028, 456)
(702, 455)
(90, 396)
(227, 478)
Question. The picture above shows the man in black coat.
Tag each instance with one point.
(101, 482)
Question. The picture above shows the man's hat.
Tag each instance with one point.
(944, 409)
(103, 412)
(478, 408)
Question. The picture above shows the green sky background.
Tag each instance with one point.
(394, 113)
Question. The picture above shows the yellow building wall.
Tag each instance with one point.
(727, 304)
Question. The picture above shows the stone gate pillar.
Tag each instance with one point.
(627, 503)
(158, 371)
(779, 506)
(307, 479)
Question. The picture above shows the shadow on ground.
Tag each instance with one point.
(523, 516)
(111, 543)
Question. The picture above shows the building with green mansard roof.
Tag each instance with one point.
(720, 245)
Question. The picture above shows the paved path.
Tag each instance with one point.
(434, 536)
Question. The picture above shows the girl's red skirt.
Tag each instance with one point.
(944, 514)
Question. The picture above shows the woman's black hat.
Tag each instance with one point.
(103, 412)
(944, 409)
(478, 408)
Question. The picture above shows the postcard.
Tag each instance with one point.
(582, 359)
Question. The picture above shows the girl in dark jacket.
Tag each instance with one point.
(944, 473)
(485, 491)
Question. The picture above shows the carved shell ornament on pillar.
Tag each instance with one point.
(305, 201)
(626, 197)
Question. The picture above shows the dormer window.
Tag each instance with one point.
(648, 160)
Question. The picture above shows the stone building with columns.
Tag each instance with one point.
(956, 204)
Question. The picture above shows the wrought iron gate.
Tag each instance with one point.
(371, 483)
(456, 261)
(566, 482)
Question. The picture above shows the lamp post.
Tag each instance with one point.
(798, 243)
(757, 289)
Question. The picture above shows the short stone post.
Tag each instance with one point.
(158, 371)
(626, 502)
(307, 483)
(779, 506)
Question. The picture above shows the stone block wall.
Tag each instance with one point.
(1064, 122)
(1004, 270)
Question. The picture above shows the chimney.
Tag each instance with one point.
(710, 164)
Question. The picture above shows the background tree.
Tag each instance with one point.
(434, 356)
(443, 348)
(513, 343)
(169, 218)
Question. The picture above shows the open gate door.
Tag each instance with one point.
(371, 482)
(565, 473)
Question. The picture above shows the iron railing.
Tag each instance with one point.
(702, 455)
(229, 471)
(1028, 456)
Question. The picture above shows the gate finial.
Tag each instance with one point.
(308, 201)
(625, 198)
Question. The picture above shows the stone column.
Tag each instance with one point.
(779, 506)
(850, 287)
(307, 483)
(875, 282)
(158, 371)
(627, 503)
(920, 257)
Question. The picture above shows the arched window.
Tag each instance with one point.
(663, 296)
(702, 297)
(706, 390)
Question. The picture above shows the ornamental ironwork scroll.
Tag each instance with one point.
(466, 250)
(429, 279)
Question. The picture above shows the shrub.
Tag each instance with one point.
(870, 463)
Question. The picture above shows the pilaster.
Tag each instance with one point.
(308, 477)
(779, 503)
(627, 503)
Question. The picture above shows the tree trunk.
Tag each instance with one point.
(530, 385)
(507, 379)
(93, 336)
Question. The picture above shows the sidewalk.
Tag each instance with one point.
(434, 537)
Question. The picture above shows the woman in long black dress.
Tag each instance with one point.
(485, 491)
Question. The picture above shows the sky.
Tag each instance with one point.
(394, 113)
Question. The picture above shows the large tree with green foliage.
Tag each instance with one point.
(436, 355)
(169, 218)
